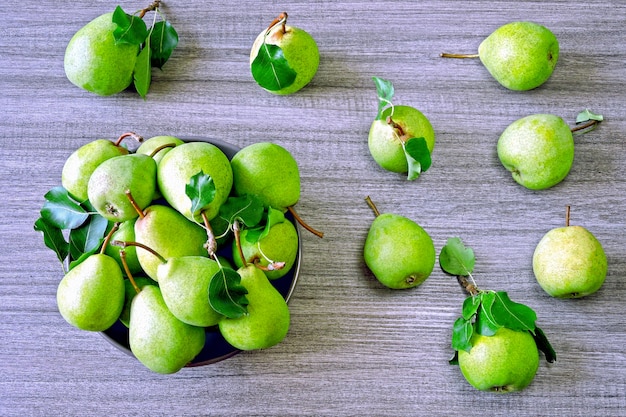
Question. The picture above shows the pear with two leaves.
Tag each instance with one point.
(91, 295)
(266, 322)
(112, 181)
(398, 251)
(519, 55)
(496, 340)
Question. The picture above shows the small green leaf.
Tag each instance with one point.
(486, 323)
(227, 295)
(462, 332)
(61, 211)
(544, 345)
(385, 91)
(270, 68)
(248, 209)
(88, 237)
(129, 29)
(417, 156)
(164, 39)
(512, 315)
(53, 238)
(201, 191)
(456, 259)
(142, 74)
(82, 257)
(470, 306)
(273, 217)
(587, 115)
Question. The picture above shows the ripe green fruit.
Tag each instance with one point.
(183, 162)
(112, 179)
(95, 62)
(152, 144)
(538, 150)
(82, 163)
(388, 135)
(267, 321)
(520, 55)
(398, 251)
(569, 262)
(157, 338)
(269, 172)
(279, 245)
(91, 295)
(131, 293)
(504, 362)
(298, 48)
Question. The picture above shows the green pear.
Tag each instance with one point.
(183, 162)
(398, 251)
(91, 295)
(82, 163)
(388, 135)
(269, 172)
(504, 362)
(152, 144)
(569, 262)
(170, 234)
(280, 245)
(95, 62)
(538, 150)
(520, 55)
(184, 283)
(130, 293)
(112, 179)
(267, 321)
(125, 233)
(157, 338)
(298, 49)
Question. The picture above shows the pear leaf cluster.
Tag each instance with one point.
(484, 312)
(271, 70)
(157, 44)
(72, 230)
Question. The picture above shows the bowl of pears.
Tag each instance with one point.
(181, 253)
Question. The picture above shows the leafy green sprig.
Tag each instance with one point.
(415, 149)
(484, 312)
(156, 43)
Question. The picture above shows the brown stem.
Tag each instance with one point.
(134, 204)
(303, 223)
(108, 237)
(467, 285)
(128, 135)
(211, 243)
(395, 126)
(123, 243)
(127, 270)
(160, 148)
(372, 206)
(155, 5)
(281, 19)
(567, 211)
(460, 56)
(237, 234)
(584, 126)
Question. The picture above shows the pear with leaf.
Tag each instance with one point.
(401, 139)
(496, 340)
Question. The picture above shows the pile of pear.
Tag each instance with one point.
(163, 298)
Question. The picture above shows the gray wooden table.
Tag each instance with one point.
(354, 347)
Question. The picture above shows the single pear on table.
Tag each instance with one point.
(267, 321)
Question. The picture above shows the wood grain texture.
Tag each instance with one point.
(354, 348)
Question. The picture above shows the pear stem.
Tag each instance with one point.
(372, 206)
(134, 204)
(211, 243)
(108, 237)
(160, 148)
(459, 56)
(155, 5)
(123, 243)
(128, 135)
(584, 126)
(127, 270)
(280, 20)
(237, 233)
(567, 212)
(467, 285)
(303, 223)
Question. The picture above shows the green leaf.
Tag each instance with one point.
(53, 238)
(270, 68)
(88, 237)
(456, 259)
(470, 306)
(544, 345)
(417, 156)
(61, 211)
(385, 91)
(82, 257)
(142, 74)
(227, 295)
(247, 209)
(512, 315)
(129, 28)
(486, 324)
(201, 191)
(587, 115)
(164, 39)
(462, 332)
(273, 217)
